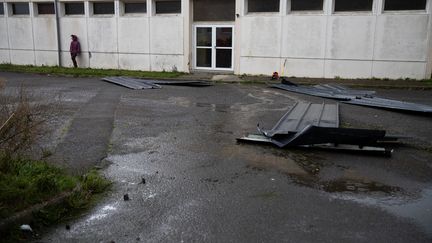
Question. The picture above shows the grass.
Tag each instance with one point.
(85, 72)
(24, 183)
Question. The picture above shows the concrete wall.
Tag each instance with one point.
(328, 44)
(138, 41)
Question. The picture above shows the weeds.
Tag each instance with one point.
(86, 72)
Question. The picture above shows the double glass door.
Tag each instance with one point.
(214, 47)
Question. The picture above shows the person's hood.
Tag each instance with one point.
(74, 37)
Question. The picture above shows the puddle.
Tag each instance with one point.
(419, 210)
(214, 107)
(349, 185)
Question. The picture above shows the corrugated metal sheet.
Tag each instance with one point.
(136, 83)
(305, 114)
(354, 97)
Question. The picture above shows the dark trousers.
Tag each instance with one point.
(73, 56)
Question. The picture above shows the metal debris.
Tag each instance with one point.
(135, 83)
(317, 125)
(354, 97)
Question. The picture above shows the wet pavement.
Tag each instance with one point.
(203, 186)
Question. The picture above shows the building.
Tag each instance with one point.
(302, 38)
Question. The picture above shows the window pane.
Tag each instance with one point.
(211, 10)
(74, 8)
(263, 6)
(306, 5)
(1, 9)
(204, 57)
(224, 37)
(45, 8)
(103, 8)
(395, 5)
(223, 58)
(167, 7)
(204, 36)
(20, 8)
(135, 7)
(353, 5)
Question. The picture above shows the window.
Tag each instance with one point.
(74, 8)
(353, 5)
(20, 9)
(1, 9)
(257, 6)
(168, 7)
(131, 8)
(397, 5)
(103, 8)
(210, 10)
(306, 5)
(45, 8)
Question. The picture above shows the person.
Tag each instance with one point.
(75, 49)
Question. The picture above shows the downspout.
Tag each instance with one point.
(57, 17)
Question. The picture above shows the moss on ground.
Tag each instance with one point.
(85, 72)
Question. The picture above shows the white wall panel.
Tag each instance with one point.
(21, 36)
(166, 35)
(102, 34)
(402, 37)
(134, 62)
(4, 33)
(348, 69)
(22, 57)
(166, 63)
(261, 36)
(45, 35)
(47, 58)
(133, 35)
(397, 70)
(257, 66)
(303, 36)
(4, 56)
(350, 37)
(104, 60)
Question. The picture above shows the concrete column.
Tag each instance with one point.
(187, 28)
(428, 73)
(239, 12)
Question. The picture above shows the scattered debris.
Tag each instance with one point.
(143, 180)
(26, 228)
(126, 197)
(352, 96)
(317, 126)
(68, 227)
(135, 83)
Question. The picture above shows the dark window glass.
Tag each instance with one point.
(395, 5)
(74, 8)
(224, 37)
(204, 37)
(204, 57)
(306, 5)
(1, 9)
(255, 6)
(168, 7)
(353, 5)
(223, 58)
(20, 9)
(210, 10)
(45, 8)
(103, 8)
(135, 7)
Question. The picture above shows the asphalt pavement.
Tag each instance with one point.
(202, 186)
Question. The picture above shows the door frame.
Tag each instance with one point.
(213, 61)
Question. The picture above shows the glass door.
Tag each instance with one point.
(214, 47)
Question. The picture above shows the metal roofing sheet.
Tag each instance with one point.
(303, 114)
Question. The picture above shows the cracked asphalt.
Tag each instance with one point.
(203, 186)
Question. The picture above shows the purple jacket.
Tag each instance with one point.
(75, 48)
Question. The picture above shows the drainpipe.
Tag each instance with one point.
(58, 32)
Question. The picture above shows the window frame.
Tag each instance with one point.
(4, 12)
(300, 12)
(11, 10)
(165, 14)
(372, 11)
(247, 12)
(97, 15)
(63, 7)
(426, 10)
(123, 8)
(36, 9)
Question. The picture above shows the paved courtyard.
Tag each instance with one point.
(201, 185)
